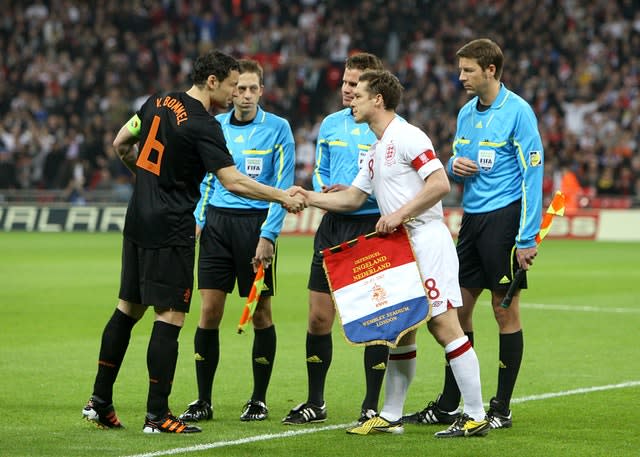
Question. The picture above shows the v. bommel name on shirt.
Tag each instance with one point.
(174, 105)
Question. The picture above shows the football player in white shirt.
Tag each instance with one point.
(409, 181)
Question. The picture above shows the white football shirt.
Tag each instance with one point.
(396, 167)
(395, 170)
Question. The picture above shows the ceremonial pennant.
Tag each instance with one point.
(377, 288)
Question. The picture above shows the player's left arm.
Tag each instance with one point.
(125, 143)
(283, 163)
(531, 167)
(436, 186)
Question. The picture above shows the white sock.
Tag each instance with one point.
(401, 369)
(466, 369)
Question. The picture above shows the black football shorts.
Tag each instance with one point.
(486, 248)
(161, 277)
(227, 245)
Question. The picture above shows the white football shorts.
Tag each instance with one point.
(438, 262)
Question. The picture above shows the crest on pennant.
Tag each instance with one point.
(390, 155)
(379, 296)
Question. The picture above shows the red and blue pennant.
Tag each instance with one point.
(377, 288)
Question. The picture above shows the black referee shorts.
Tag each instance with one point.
(334, 229)
(486, 248)
(227, 245)
(160, 277)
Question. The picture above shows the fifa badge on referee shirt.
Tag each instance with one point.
(253, 167)
(486, 159)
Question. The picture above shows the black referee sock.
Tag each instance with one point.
(162, 355)
(319, 353)
(511, 350)
(450, 398)
(206, 343)
(262, 357)
(115, 340)
(375, 366)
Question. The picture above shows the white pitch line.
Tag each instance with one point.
(590, 309)
(304, 431)
(251, 439)
(582, 390)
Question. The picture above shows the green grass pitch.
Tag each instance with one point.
(577, 394)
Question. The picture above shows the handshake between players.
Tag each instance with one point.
(340, 198)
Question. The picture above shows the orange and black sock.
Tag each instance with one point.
(162, 355)
(115, 340)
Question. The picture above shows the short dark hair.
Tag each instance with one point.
(251, 66)
(363, 61)
(385, 83)
(485, 52)
(213, 63)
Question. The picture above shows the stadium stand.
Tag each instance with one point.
(68, 69)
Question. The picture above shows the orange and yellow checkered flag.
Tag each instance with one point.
(252, 300)
(556, 208)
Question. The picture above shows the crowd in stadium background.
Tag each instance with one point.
(69, 69)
